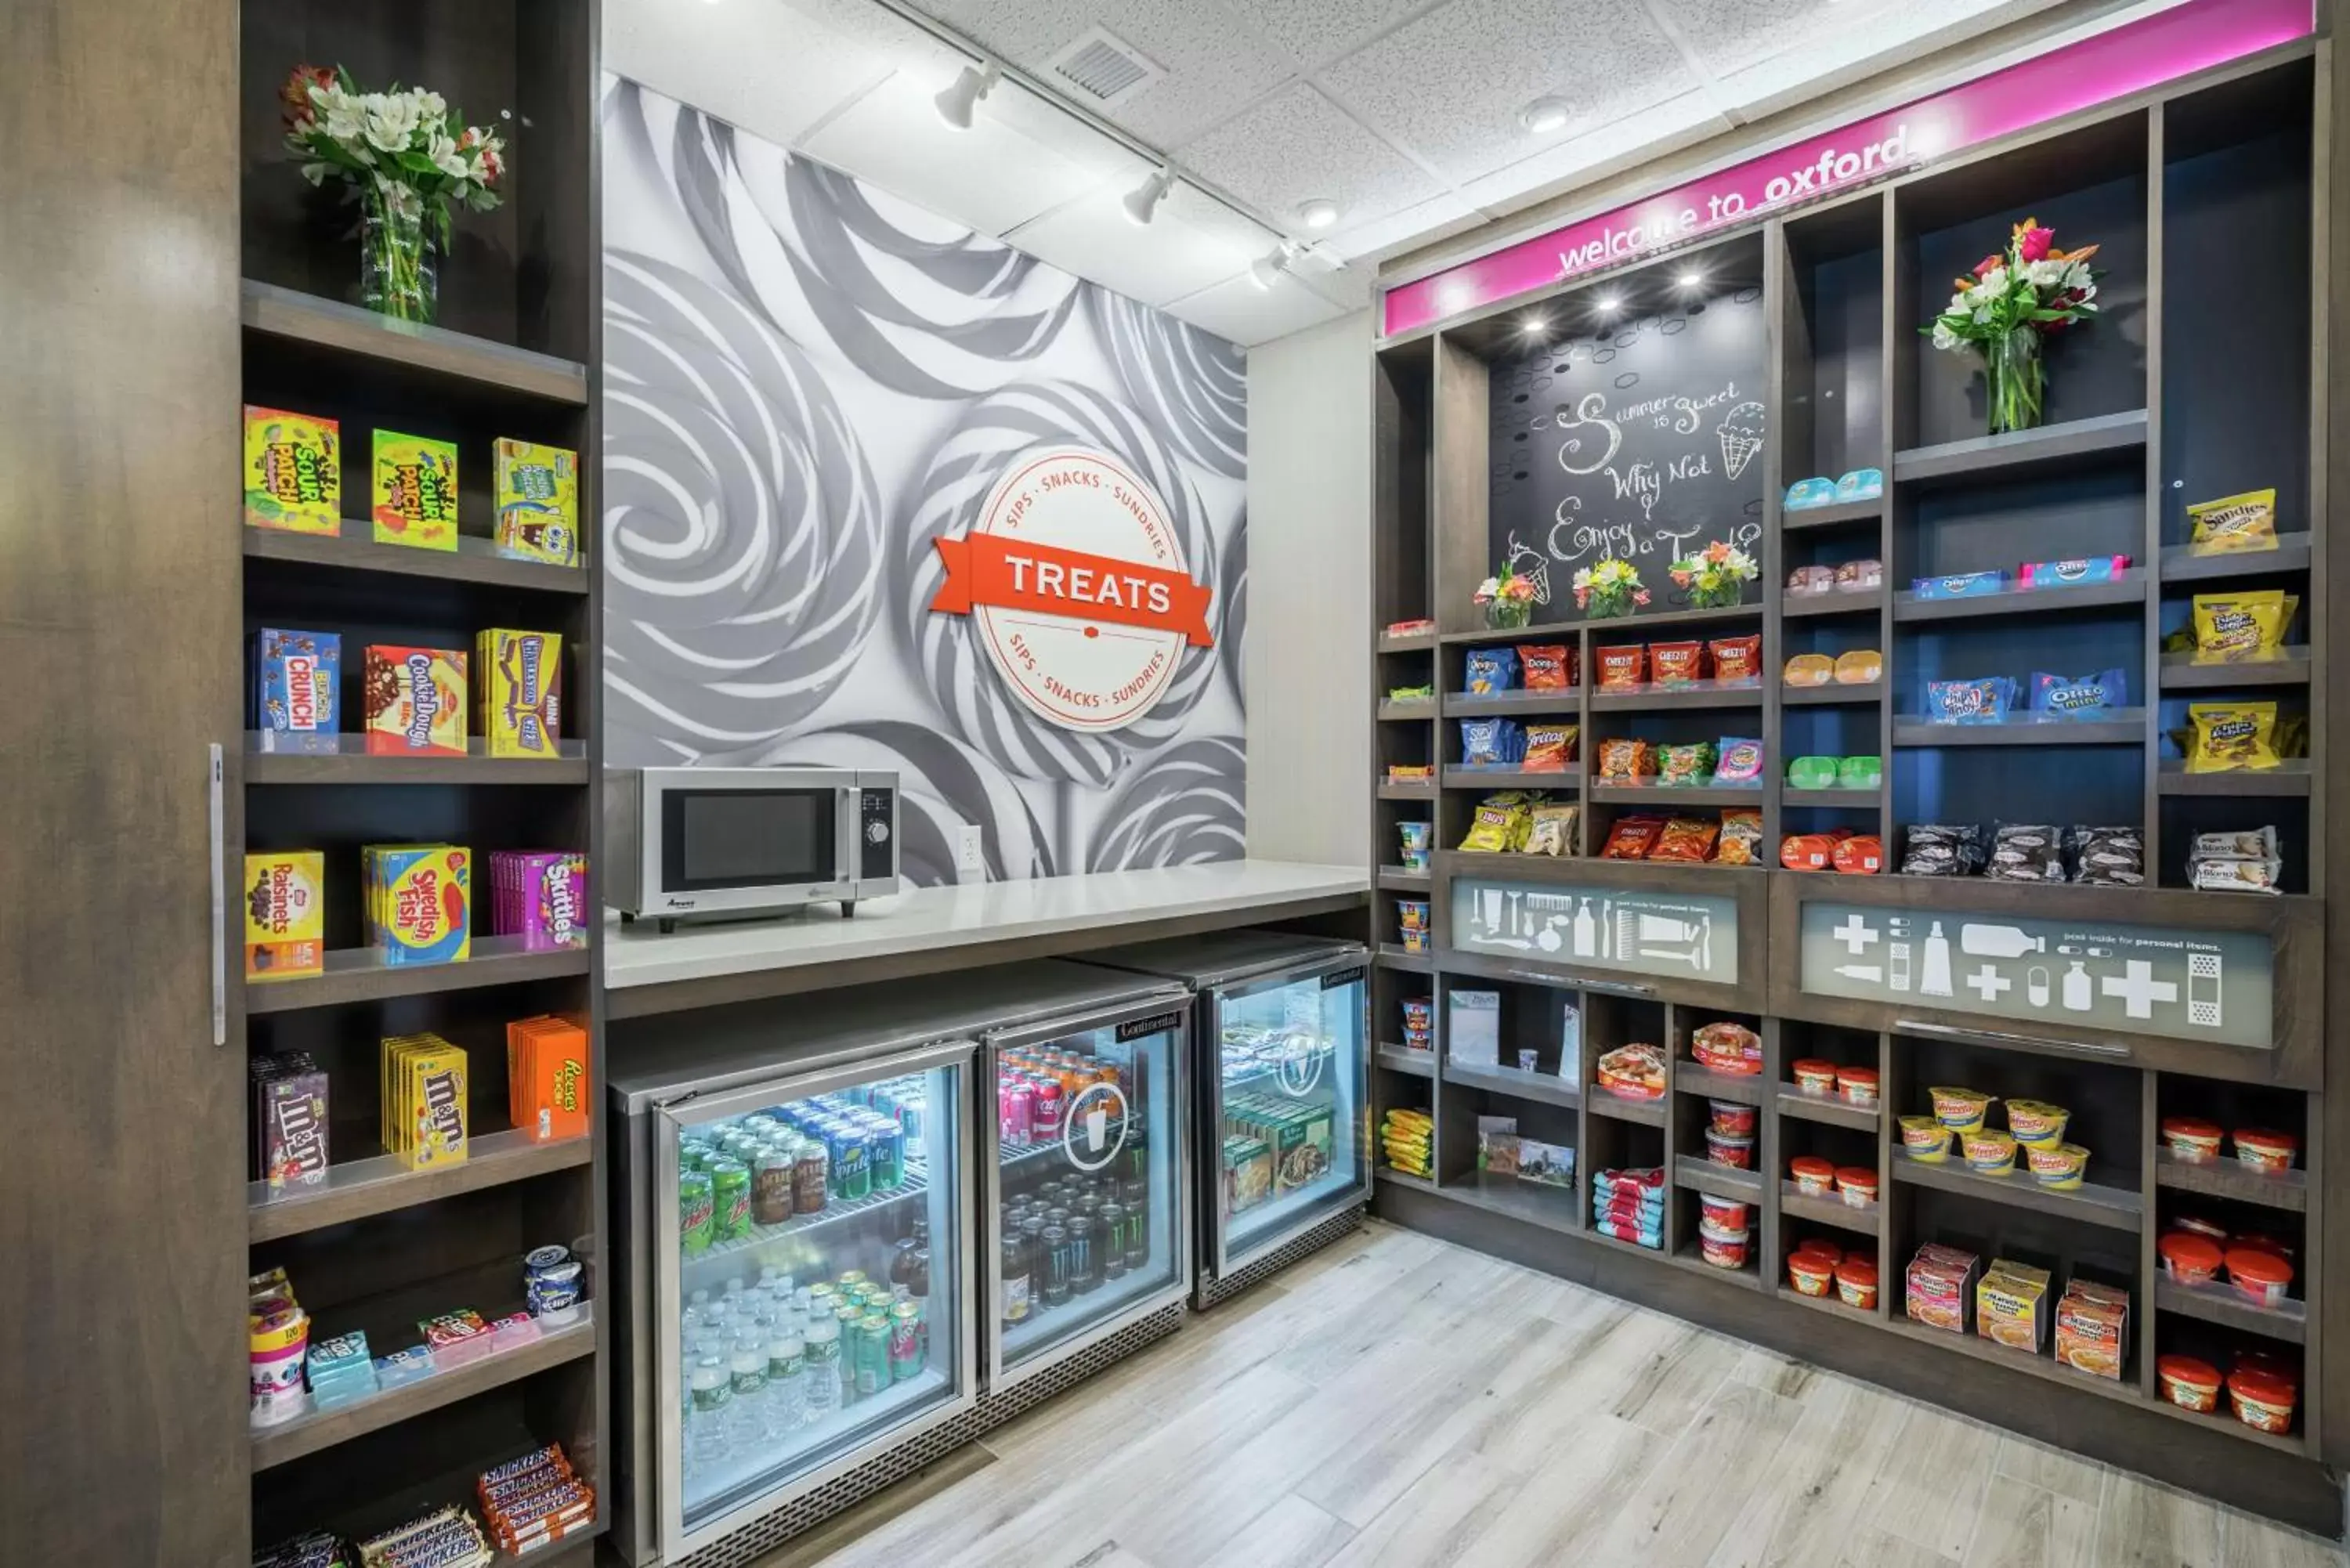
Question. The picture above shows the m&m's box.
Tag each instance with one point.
(415, 491)
(419, 902)
(424, 1098)
(284, 915)
(538, 502)
(295, 676)
(415, 701)
(518, 682)
(292, 472)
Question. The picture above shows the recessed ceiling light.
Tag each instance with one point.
(1533, 326)
(1608, 304)
(1266, 268)
(1317, 214)
(961, 99)
(1692, 278)
(1143, 201)
(1545, 115)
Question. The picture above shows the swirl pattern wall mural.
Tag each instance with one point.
(808, 382)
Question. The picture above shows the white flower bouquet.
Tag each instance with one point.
(2015, 298)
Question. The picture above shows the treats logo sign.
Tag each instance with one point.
(1076, 578)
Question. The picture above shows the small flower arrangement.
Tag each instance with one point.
(2015, 298)
(410, 158)
(1508, 599)
(1608, 588)
(1716, 577)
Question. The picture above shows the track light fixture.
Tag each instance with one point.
(1272, 264)
(1143, 201)
(961, 99)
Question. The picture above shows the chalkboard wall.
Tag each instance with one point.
(1645, 440)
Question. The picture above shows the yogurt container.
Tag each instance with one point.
(1814, 1076)
(2259, 1275)
(2190, 1259)
(2263, 1399)
(2059, 1167)
(2265, 1150)
(1815, 1178)
(1988, 1153)
(2036, 1124)
(2189, 1384)
(2191, 1137)
(1812, 1274)
(1856, 1279)
(1960, 1110)
(1857, 1084)
(1925, 1138)
(1857, 1186)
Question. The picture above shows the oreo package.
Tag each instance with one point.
(1985, 700)
(2107, 857)
(2072, 573)
(2025, 853)
(1938, 849)
(2091, 696)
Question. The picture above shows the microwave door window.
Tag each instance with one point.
(713, 839)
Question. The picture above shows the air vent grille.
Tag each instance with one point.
(1105, 67)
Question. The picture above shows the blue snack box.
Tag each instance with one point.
(1965, 586)
(403, 1366)
(296, 677)
(2060, 697)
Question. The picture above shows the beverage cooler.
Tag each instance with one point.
(845, 1217)
(1283, 1025)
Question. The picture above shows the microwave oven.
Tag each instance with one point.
(692, 844)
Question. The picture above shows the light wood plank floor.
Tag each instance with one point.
(1400, 1402)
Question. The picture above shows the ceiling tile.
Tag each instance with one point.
(1432, 220)
(1172, 257)
(758, 64)
(1214, 63)
(1450, 85)
(1623, 142)
(1875, 37)
(1238, 309)
(1319, 31)
(1298, 145)
(1724, 35)
(990, 177)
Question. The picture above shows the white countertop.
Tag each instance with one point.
(922, 918)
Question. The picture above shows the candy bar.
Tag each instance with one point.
(550, 1457)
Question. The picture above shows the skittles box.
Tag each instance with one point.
(295, 676)
(518, 682)
(540, 896)
(284, 915)
(415, 699)
(415, 491)
(293, 472)
(419, 902)
(538, 503)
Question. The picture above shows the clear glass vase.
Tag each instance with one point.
(398, 275)
(1727, 596)
(1508, 615)
(2015, 374)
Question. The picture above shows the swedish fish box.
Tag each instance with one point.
(414, 701)
(284, 915)
(292, 472)
(518, 687)
(538, 502)
(295, 676)
(420, 902)
(415, 491)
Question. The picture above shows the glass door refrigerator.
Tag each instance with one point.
(798, 1195)
(1283, 1139)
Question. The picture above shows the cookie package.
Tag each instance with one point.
(2233, 523)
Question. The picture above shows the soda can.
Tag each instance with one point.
(872, 1354)
(854, 1165)
(696, 1212)
(731, 1192)
(885, 1149)
(905, 1341)
(1019, 1110)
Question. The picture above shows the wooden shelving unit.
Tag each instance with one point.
(517, 352)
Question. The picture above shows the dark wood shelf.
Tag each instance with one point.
(2180, 673)
(359, 974)
(1790, 795)
(1833, 694)
(1396, 957)
(1749, 1275)
(1489, 704)
(474, 561)
(1535, 1202)
(1395, 879)
(2019, 452)
(1828, 1109)
(1704, 694)
(1684, 794)
(2180, 565)
(1599, 1102)
(1624, 628)
(1720, 1181)
(2115, 1208)
(2220, 1304)
(2232, 1179)
(1831, 1304)
(1411, 1064)
(358, 768)
(2064, 601)
(2288, 778)
(2031, 1363)
(2223, 1421)
(1403, 1178)
(1416, 642)
(2129, 731)
(1843, 515)
(1744, 1088)
(1808, 607)
(1426, 792)
(348, 329)
(360, 1188)
(1402, 710)
(308, 1434)
(1797, 1205)
(1541, 1087)
(1566, 781)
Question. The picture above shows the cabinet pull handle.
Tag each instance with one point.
(2000, 1036)
(216, 824)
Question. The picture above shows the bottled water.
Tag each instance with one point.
(746, 1411)
(706, 1434)
(786, 1383)
(823, 1379)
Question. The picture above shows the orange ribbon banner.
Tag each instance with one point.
(999, 573)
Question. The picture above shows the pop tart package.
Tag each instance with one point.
(1491, 669)
(2091, 696)
(1986, 700)
(1490, 743)
(2074, 573)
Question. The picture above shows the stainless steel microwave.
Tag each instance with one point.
(688, 843)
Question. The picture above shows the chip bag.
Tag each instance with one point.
(1626, 761)
(2233, 628)
(2233, 523)
(2231, 735)
(1737, 658)
(1490, 670)
(1549, 748)
(1688, 839)
(1676, 663)
(1546, 667)
(1552, 830)
(1688, 764)
(1489, 830)
(1742, 837)
(1623, 667)
(1631, 837)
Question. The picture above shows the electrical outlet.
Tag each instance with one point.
(970, 852)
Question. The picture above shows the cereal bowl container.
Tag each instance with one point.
(1812, 1274)
(2263, 1399)
(1814, 1076)
(2265, 1150)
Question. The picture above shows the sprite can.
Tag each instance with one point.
(696, 1212)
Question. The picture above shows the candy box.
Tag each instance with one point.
(518, 680)
(284, 915)
(546, 1077)
(415, 491)
(540, 896)
(419, 902)
(293, 472)
(414, 700)
(538, 502)
(296, 677)
(424, 1100)
(292, 1128)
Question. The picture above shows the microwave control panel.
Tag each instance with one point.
(877, 827)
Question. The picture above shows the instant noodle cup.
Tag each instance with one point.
(2189, 1384)
(2058, 1166)
(2263, 1399)
(2191, 1137)
(2036, 1123)
(1812, 1274)
(1730, 1117)
(2261, 1243)
(1723, 1250)
(1856, 1281)
(1960, 1110)
(2264, 1149)
(1821, 1247)
(2188, 1259)
(2259, 1275)
(1988, 1153)
(1857, 1084)
(1722, 1148)
(1815, 1178)
(1814, 1076)
(2196, 1225)
(1729, 1214)
(1925, 1139)
(1856, 1184)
